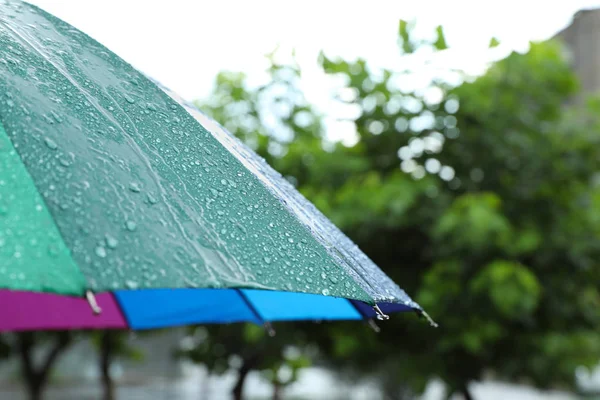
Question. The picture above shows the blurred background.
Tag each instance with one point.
(457, 143)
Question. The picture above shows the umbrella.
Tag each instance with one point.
(121, 206)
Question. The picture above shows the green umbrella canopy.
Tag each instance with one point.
(108, 181)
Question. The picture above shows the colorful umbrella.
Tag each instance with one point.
(123, 207)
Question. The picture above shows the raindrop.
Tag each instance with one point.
(111, 242)
(130, 225)
(131, 284)
(100, 251)
(267, 260)
(325, 292)
(152, 199)
(64, 162)
(333, 279)
(53, 250)
(51, 144)
(129, 99)
(134, 187)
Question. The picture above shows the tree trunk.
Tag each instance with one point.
(247, 366)
(106, 354)
(36, 378)
(34, 391)
(464, 390)
(277, 391)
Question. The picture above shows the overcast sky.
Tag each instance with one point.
(184, 43)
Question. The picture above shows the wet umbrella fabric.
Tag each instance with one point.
(111, 184)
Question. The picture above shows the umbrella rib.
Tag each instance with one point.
(251, 306)
(366, 318)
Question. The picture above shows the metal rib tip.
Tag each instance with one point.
(373, 325)
(269, 328)
(380, 315)
(432, 323)
(89, 295)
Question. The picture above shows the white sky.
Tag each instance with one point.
(184, 43)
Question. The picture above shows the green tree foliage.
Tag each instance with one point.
(479, 198)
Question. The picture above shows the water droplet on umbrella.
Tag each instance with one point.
(152, 199)
(129, 99)
(267, 260)
(130, 225)
(111, 242)
(100, 251)
(325, 292)
(131, 284)
(53, 250)
(134, 187)
(51, 144)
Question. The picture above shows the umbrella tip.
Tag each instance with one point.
(89, 295)
(380, 314)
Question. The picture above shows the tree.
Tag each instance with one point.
(112, 344)
(247, 348)
(479, 198)
(24, 344)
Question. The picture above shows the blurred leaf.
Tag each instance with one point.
(404, 34)
(493, 43)
(440, 41)
(513, 289)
